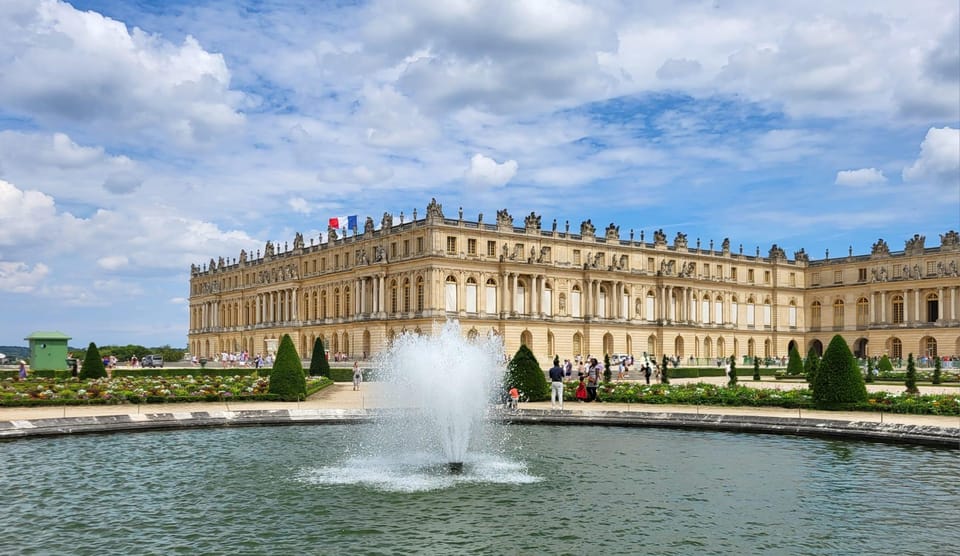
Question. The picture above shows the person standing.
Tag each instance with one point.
(647, 372)
(556, 385)
(357, 376)
(22, 374)
(593, 379)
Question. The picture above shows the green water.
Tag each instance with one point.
(547, 490)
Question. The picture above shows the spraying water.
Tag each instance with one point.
(447, 383)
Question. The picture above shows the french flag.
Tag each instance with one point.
(349, 222)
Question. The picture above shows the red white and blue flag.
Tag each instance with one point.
(349, 222)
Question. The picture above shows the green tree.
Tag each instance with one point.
(92, 364)
(811, 365)
(936, 370)
(665, 370)
(319, 366)
(794, 362)
(838, 379)
(286, 378)
(607, 371)
(524, 373)
(885, 365)
(911, 381)
(756, 368)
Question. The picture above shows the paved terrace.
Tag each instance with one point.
(339, 403)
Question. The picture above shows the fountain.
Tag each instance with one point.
(442, 387)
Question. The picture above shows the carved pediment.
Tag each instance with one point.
(434, 209)
(504, 220)
(532, 222)
(880, 249)
(587, 228)
(914, 245)
(613, 231)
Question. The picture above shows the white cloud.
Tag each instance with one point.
(485, 171)
(113, 262)
(66, 65)
(18, 277)
(24, 215)
(300, 205)
(939, 159)
(861, 177)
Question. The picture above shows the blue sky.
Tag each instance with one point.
(138, 138)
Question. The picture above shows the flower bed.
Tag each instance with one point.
(712, 394)
(186, 388)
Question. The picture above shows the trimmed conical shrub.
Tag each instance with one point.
(286, 378)
(869, 377)
(665, 371)
(756, 368)
(794, 363)
(811, 365)
(525, 374)
(732, 379)
(936, 370)
(92, 364)
(911, 382)
(885, 366)
(838, 379)
(319, 366)
(607, 371)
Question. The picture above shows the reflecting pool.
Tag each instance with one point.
(544, 489)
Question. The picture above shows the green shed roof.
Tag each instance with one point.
(47, 336)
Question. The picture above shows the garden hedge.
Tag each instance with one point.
(287, 379)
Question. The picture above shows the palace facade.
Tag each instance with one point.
(568, 293)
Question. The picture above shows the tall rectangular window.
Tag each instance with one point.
(733, 273)
(419, 245)
(491, 248)
(861, 275)
(451, 245)
(406, 248)
(837, 276)
(576, 257)
(471, 247)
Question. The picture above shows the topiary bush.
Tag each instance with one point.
(286, 378)
(885, 366)
(870, 365)
(911, 381)
(936, 370)
(92, 364)
(525, 374)
(732, 379)
(811, 365)
(838, 379)
(795, 363)
(319, 366)
(756, 369)
(607, 371)
(665, 371)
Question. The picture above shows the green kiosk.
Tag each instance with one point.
(48, 351)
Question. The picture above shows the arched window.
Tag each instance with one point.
(578, 344)
(546, 301)
(491, 296)
(751, 312)
(526, 338)
(815, 315)
(930, 347)
(394, 297)
(767, 312)
(896, 348)
(897, 309)
(651, 307)
(471, 295)
(406, 295)
(792, 314)
(933, 307)
(347, 308)
(751, 347)
(705, 310)
(838, 313)
(419, 293)
(336, 303)
(718, 310)
(734, 311)
(450, 294)
(575, 306)
(863, 312)
(520, 298)
(323, 304)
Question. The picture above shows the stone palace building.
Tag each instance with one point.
(568, 293)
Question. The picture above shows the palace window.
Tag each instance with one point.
(733, 273)
(931, 268)
(419, 245)
(861, 274)
(576, 257)
(750, 276)
(838, 313)
(471, 247)
(393, 296)
(406, 295)
(420, 294)
(897, 309)
(815, 315)
(766, 276)
(837, 276)
(863, 312)
(393, 250)
(406, 248)
(336, 261)
(815, 279)
(451, 245)
(491, 248)
(793, 279)
(651, 265)
(896, 348)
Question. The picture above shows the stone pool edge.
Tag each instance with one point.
(927, 435)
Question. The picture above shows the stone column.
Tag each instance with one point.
(940, 304)
(513, 295)
(953, 303)
(916, 297)
(380, 297)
